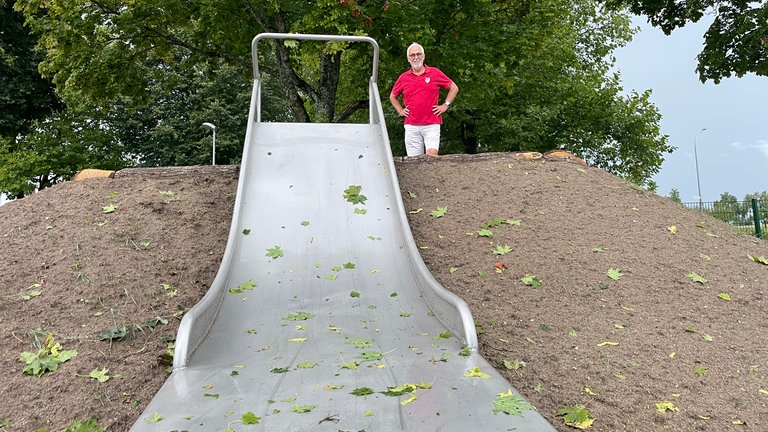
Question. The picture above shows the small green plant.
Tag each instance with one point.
(47, 358)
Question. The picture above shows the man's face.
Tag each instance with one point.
(415, 57)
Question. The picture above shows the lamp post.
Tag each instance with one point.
(696, 159)
(212, 128)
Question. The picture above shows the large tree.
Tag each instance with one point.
(736, 42)
(24, 95)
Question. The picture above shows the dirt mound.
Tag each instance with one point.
(588, 290)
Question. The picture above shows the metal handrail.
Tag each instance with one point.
(255, 42)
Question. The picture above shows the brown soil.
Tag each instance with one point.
(671, 339)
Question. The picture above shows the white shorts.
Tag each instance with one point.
(421, 137)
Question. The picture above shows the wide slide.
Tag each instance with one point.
(323, 317)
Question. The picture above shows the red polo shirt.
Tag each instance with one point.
(420, 94)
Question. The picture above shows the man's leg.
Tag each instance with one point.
(431, 135)
(414, 142)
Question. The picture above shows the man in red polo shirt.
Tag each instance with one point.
(420, 87)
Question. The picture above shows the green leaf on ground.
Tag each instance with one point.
(298, 316)
(485, 233)
(156, 417)
(700, 371)
(665, 406)
(370, 356)
(576, 416)
(499, 221)
(511, 404)
(280, 370)
(109, 208)
(353, 195)
(361, 391)
(440, 212)
(696, 278)
(274, 252)
(46, 359)
(302, 408)
(724, 296)
(354, 294)
(245, 286)
(761, 259)
(351, 365)
(246, 231)
(531, 281)
(250, 418)
(361, 343)
(502, 250)
(475, 372)
(113, 333)
(306, 365)
(514, 365)
(400, 390)
(99, 375)
(31, 294)
(444, 335)
(614, 273)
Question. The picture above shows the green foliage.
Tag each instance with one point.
(132, 70)
(674, 195)
(47, 358)
(24, 96)
(734, 44)
(531, 281)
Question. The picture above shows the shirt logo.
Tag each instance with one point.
(426, 80)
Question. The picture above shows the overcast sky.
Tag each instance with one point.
(733, 150)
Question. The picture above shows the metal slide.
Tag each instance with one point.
(323, 317)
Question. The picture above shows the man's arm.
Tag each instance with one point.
(453, 90)
(402, 112)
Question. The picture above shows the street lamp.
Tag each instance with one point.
(212, 128)
(696, 159)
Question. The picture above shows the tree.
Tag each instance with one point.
(24, 95)
(728, 209)
(674, 195)
(736, 42)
